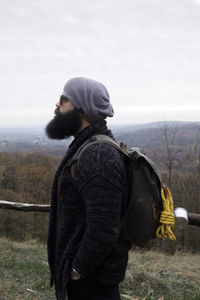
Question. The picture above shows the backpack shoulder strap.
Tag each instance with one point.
(102, 138)
(133, 153)
(96, 139)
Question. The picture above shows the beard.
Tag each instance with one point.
(63, 125)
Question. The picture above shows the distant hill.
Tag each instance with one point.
(130, 128)
(30, 140)
(138, 135)
(152, 135)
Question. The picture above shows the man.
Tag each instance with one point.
(87, 253)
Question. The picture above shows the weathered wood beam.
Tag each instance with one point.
(194, 219)
(24, 206)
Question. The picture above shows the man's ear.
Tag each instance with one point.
(80, 112)
(83, 118)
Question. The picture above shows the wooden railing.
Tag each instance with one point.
(24, 206)
(193, 218)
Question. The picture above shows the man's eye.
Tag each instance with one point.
(63, 100)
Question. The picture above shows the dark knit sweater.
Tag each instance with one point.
(84, 227)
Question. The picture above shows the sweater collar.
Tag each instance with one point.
(94, 128)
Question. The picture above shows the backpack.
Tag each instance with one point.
(146, 199)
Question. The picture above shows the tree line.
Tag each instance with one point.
(25, 178)
(28, 178)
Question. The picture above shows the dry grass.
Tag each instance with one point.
(150, 275)
(155, 275)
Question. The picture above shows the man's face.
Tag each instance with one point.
(64, 105)
(67, 120)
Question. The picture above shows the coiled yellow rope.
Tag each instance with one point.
(167, 220)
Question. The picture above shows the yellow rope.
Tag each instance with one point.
(167, 220)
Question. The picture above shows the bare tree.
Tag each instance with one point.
(197, 153)
(172, 143)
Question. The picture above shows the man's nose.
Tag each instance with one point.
(58, 104)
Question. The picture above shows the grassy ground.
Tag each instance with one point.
(153, 275)
(24, 271)
(150, 275)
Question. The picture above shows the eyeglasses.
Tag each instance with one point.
(63, 99)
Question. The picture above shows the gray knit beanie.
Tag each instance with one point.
(90, 96)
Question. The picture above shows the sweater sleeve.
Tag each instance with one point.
(101, 184)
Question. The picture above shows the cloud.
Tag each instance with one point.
(143, 51)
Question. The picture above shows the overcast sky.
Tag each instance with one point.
(146, 52)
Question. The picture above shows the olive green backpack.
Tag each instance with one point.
(149, 211)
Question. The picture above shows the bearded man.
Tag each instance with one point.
(87, 252)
